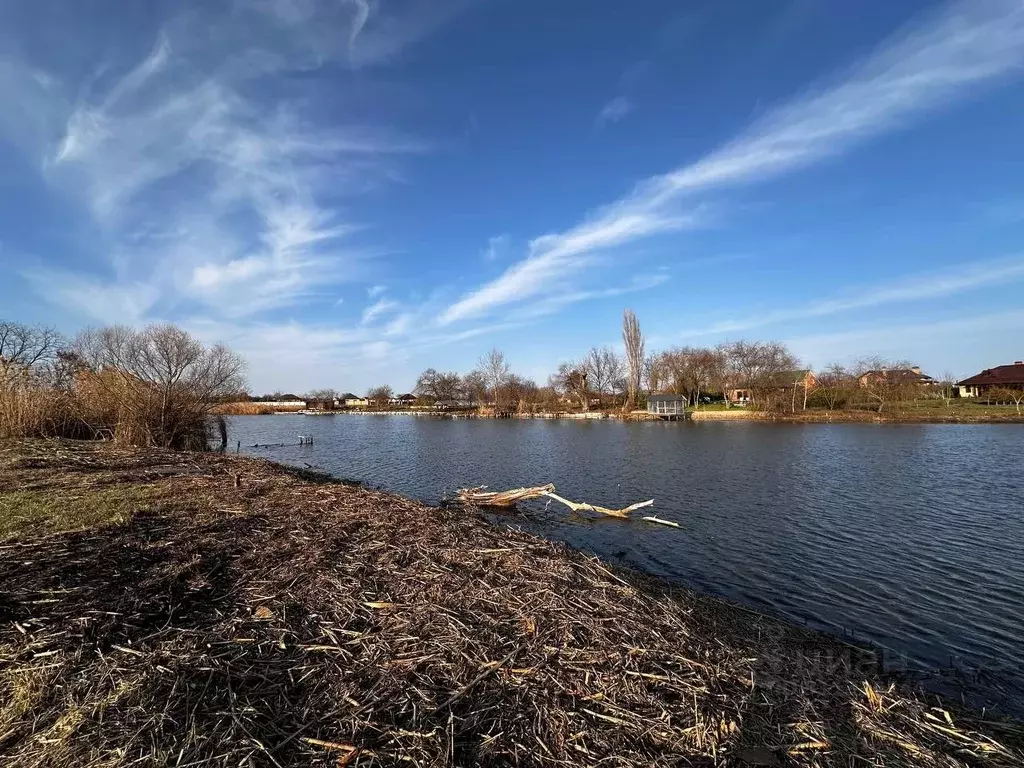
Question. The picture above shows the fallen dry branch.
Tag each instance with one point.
(481, 498)
(294, 622)
(577, 506)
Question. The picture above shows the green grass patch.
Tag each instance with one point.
(39, 512)
(718, 405)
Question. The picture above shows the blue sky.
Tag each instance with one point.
(350, 191)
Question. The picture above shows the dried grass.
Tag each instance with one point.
(294, 621)
(253, 409)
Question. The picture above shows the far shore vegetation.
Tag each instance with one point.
(159, 386)
(761, 378)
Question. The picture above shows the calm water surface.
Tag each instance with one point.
(909, 536)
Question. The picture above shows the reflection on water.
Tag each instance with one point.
(908, 536)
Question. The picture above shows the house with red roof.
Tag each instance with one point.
(1000, 377)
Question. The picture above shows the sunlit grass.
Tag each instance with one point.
(45, 511)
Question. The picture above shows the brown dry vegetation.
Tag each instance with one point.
(155, 386)
(252, 409)
(291, 620)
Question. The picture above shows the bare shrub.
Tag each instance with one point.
(835, 387)
(34, 398)
(158, 386)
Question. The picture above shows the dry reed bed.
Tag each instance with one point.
(292, 621)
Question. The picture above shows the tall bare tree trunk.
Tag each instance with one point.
(633, 340)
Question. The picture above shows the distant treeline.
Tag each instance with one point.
(759, 374)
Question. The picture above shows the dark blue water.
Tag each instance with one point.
(908, 536)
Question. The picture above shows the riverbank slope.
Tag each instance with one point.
(172, 608)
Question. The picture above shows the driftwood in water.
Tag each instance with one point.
(659, 521)
(483, 498)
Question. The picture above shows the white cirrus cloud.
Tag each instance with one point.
(202, 187)
(379, 308)
(934, 285)
(614, 110)
(942, 58)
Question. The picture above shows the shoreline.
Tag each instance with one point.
(732, 414)
(197, 584)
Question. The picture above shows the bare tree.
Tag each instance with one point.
(474, 387)
(495, 370)
(158, 385)
(571, 380)
(835, 386)
(1006, 395)
(945, 387)
(763, 368)
(28, 345)
(324, 396)
(653, 375)
(1017, 395)
(707, 367)
(380, 396)
(604, 369)
(689, 371)
(633, 341)
(520, 392)
(34, 351)
(887, 383)
(436, 386)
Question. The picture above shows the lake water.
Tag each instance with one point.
(907, 536)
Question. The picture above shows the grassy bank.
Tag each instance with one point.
(165, 608)
(923, 412)
(930, 411)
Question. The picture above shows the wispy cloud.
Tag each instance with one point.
(121, 302)
(934, 285)
(554, 257)
(552, 304)
(200, 188)
(361, 14)
(496, 248)
(614, 110)
(380, 307)
(361, 32)
(940, 59)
